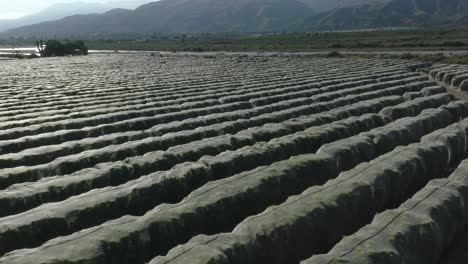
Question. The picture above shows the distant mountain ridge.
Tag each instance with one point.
(62, 10)
(195, 16)
(327, 5)
(252, 16)
(393, 13)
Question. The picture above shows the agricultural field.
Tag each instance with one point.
(231, 159)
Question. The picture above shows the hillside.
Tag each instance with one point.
(392, 13)
(179, 16)
(55, 12)
(327, 5)
(252, 16)
(62, 10)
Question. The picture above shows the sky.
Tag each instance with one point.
(13, 9)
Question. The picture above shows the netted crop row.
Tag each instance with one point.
(258, 100)
(75, 123)
(99, 108)
(72, 163)
(130, 98)
(333, 94)
(145, 139)
(454, 75)
(35, 110)
(164, 101)
(424, 92)
(314, 221)
(256, 96)
(230, 200)
(397, 90)
(69, 164)
(56, 102)
(25, 196)
(129, 116)
(96, 103)
(137, 197)
(141, 76)
(420, 229)
(230, 162)
(164, 73)
(413, 107)
(118, 159)
(152, 94)
(106, 86)
(76, 133)
(401, 132)
(194, 123)
(376, 64)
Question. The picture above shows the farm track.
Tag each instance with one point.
(136, 159)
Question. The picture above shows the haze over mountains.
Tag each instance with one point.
(61, 10)
(199, 16)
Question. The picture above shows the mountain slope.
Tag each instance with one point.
(327, 5)
(219, 15)
(62, 10)
(179, 16)
(392, 13)
(247, 16)
(55, 12)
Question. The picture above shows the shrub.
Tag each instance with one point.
(454, 44)
(407, 56)
(334, 54)
(55, 48)
(337, 46)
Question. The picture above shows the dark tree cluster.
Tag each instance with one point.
(55, 48)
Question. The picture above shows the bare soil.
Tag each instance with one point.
(452, 90)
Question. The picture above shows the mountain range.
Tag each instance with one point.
(392, 13)
(62, 10)
(327, 5)
(249, 16)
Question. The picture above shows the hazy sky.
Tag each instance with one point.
(17, 8)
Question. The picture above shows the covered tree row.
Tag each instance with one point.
(201, 203)
(314, 221)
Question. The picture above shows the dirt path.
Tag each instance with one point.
(450, 89)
